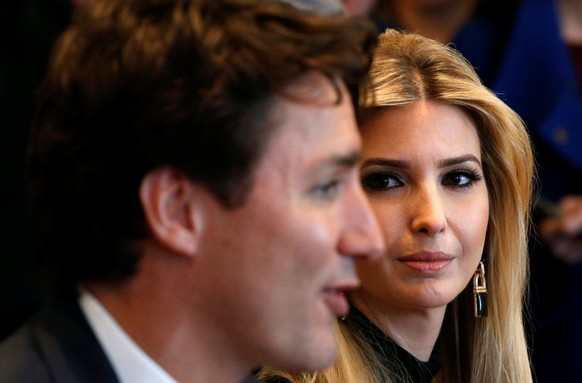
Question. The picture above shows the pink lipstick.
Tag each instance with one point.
(426, 262)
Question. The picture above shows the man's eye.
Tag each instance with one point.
(328, 189)
(380, 181)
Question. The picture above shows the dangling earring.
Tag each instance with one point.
(480, 291)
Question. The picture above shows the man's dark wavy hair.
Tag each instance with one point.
(138, 84)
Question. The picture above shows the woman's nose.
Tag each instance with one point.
(428, 212)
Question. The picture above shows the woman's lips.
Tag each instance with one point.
(426, 262)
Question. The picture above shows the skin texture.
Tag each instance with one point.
(422, 173)
(276, 259)
(238, 288)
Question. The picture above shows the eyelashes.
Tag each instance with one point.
(462, 178)
(381, 180)
(384, 180)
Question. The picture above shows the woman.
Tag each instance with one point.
(530, 51)
(448, 170)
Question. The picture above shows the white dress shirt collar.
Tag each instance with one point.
(129, 361)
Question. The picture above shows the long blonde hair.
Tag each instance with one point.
(408, 68)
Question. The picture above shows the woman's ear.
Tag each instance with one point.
(167, 198)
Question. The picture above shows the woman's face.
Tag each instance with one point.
(423, 175)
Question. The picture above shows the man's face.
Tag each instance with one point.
(280, 263)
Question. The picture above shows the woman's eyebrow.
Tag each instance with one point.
(399, 164)
(459, 160)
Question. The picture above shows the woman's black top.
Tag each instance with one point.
(401, 361)
(407, 364)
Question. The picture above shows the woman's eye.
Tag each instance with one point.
(461, 179)
(380, 181)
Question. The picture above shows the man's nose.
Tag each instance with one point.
(361, 237)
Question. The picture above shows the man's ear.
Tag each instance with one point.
(169, 209)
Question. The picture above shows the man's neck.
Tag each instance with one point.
(159, 316)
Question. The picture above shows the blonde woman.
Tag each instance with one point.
(448, 170)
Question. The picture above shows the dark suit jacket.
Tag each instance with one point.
(55, 346)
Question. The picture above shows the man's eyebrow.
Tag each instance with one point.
(339, 161)
(348, 160)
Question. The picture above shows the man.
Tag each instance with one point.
(195, 183)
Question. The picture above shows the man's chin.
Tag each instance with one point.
(320, 357)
